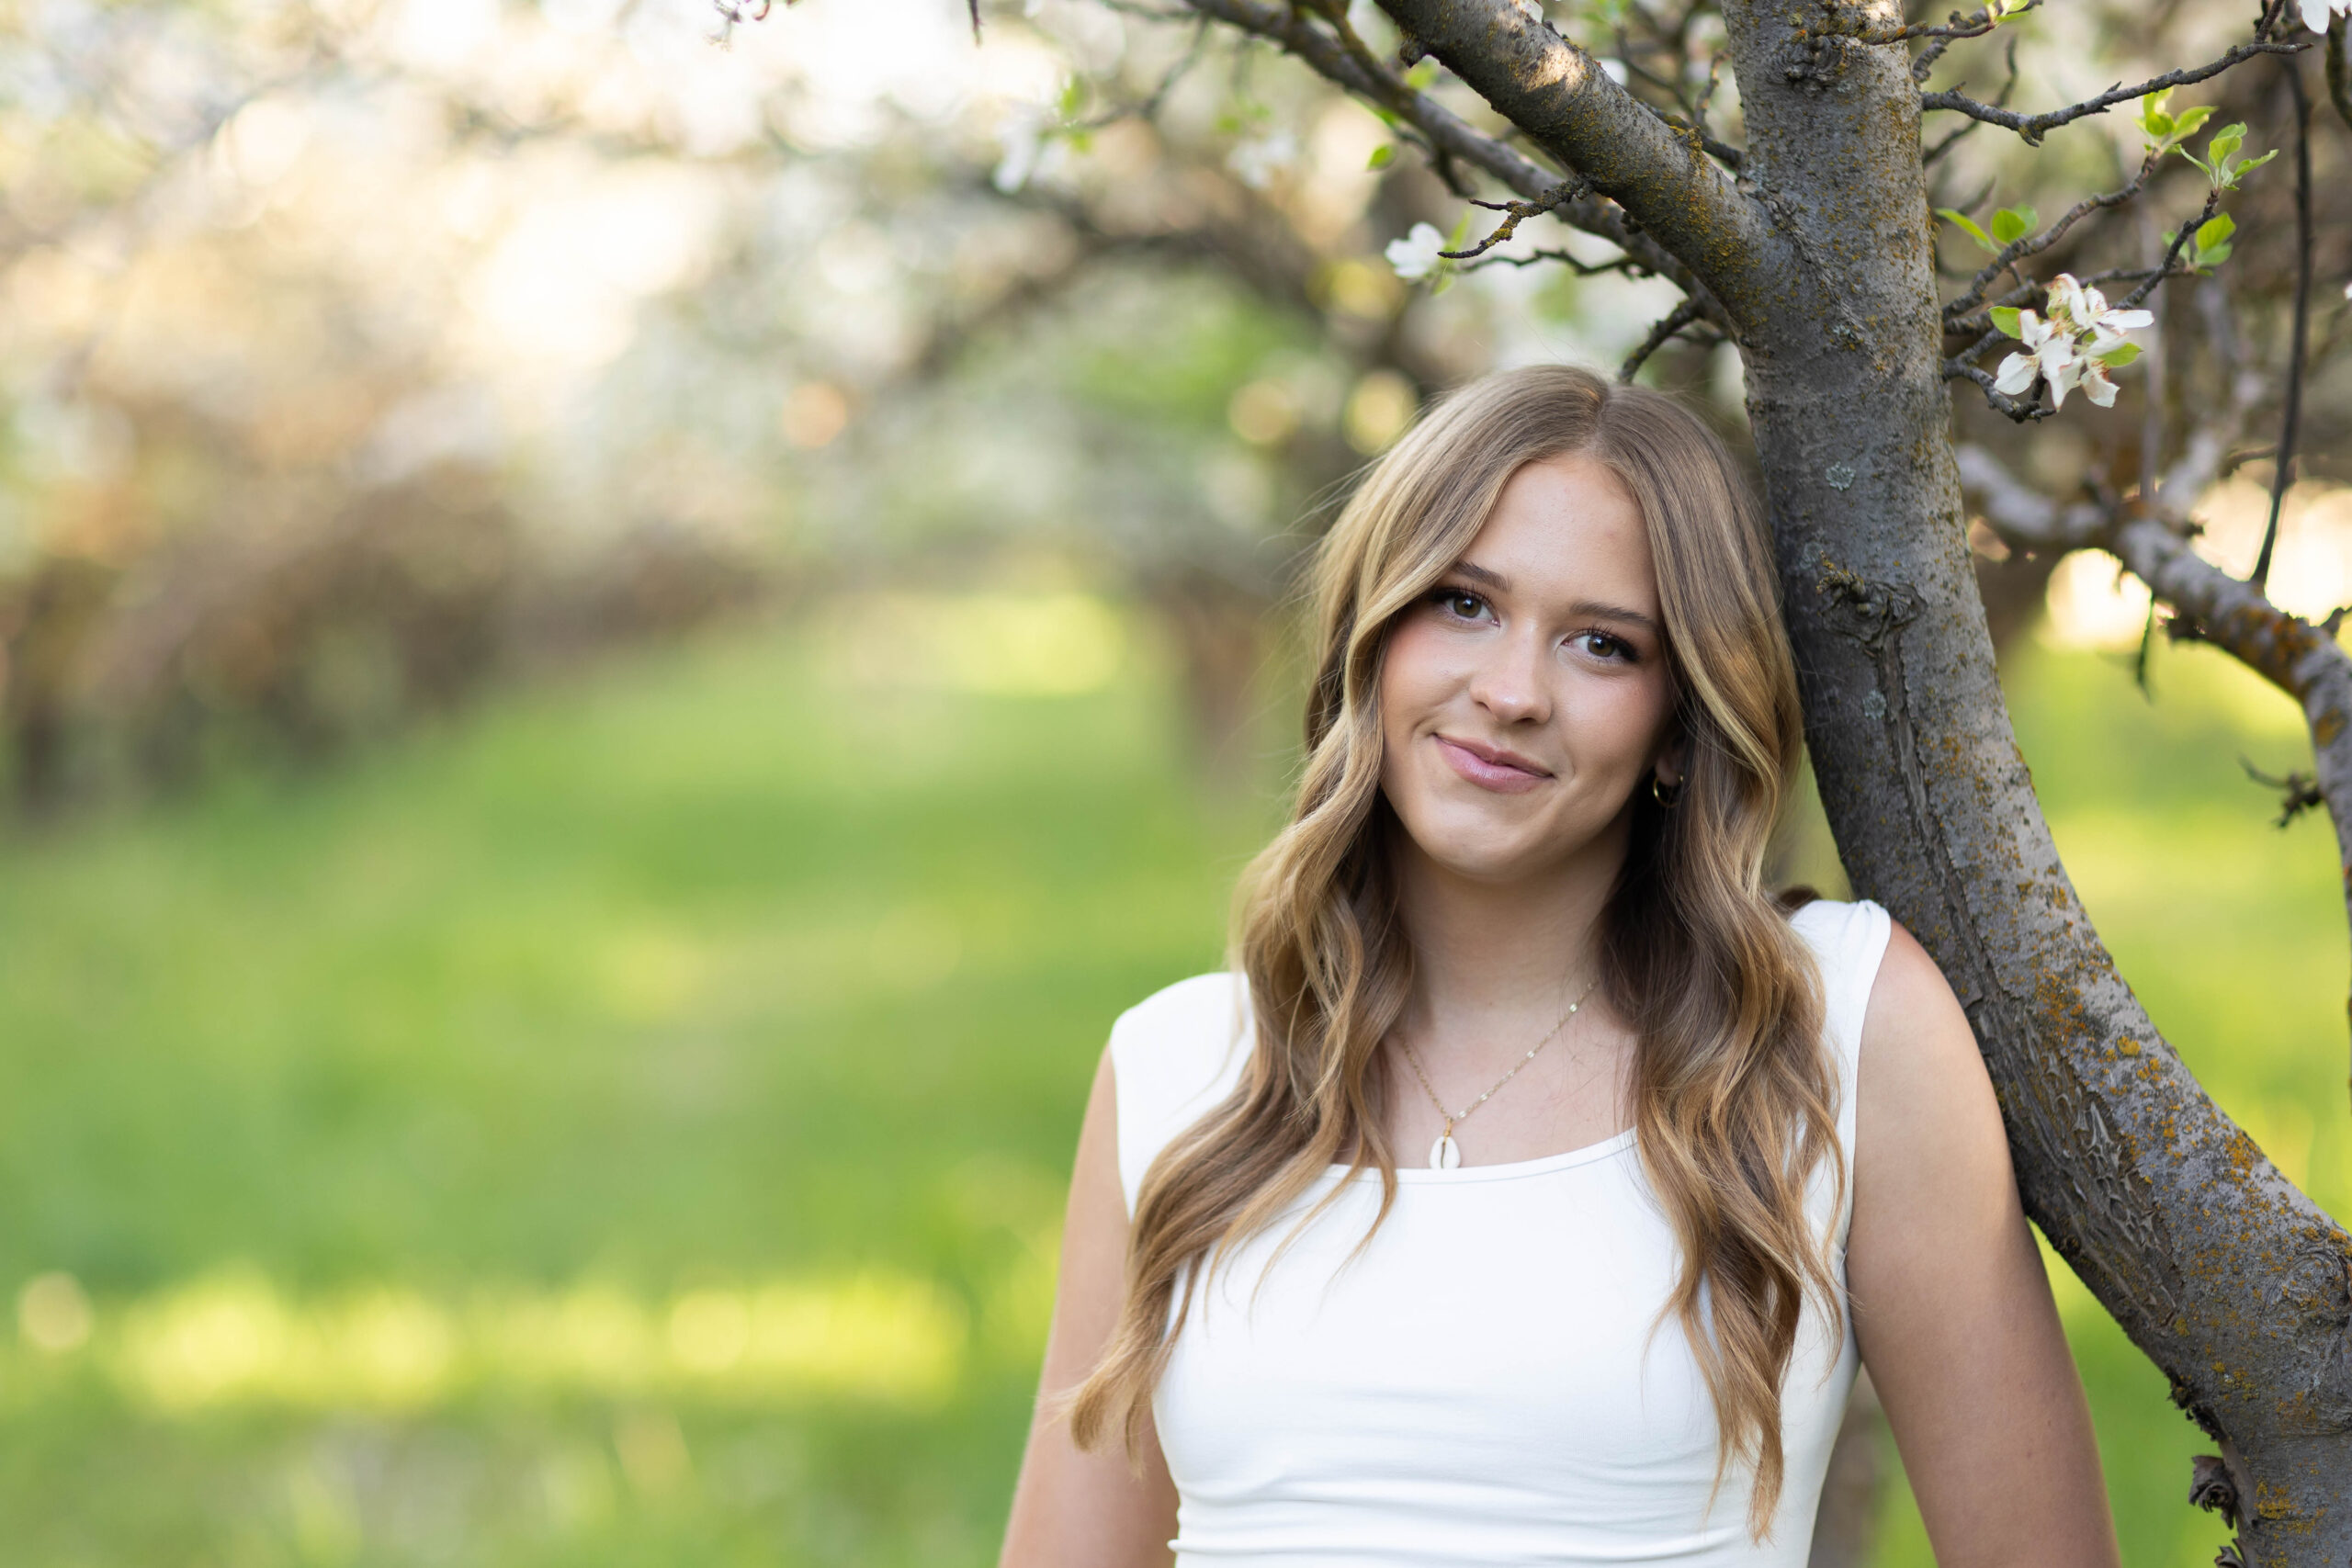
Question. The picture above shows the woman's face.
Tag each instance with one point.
(1527, 697)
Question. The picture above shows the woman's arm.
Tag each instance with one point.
(1951, 1303)
(1088, 1510)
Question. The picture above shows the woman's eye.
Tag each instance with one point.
(1460, 605)
(1601, 645)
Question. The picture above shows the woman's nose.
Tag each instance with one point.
(1508, 681)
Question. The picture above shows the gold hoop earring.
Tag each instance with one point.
(1666, 797)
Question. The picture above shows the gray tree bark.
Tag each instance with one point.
(2227, 1276)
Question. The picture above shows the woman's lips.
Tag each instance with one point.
(1490, 767)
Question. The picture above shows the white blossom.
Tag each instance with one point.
(1030, 146)
(1256, 163)
(2315, 12)
(1416, 255)
(2048, 354)
(2088, 312)
(2069, 348)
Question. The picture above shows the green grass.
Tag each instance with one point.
(710, 975)
(629, 1126)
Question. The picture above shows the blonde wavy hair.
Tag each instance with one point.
(1734, 1098)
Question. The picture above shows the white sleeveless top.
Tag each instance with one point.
(1482, 1384)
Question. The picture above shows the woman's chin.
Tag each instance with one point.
(1493, 860)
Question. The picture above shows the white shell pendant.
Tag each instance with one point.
(1445, 1154)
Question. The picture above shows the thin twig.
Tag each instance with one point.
(2297, 793)
(1148, 109)
(1449, 136)
(2000, 101)
(1957, 369)
(1624, 266)
(1673, 321)
(1515, 213)
(1951, 31)
(2291, 418)
(2170, 266)
(2034, 244)
(2033, 127)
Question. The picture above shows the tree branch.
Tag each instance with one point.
(2283, 471)
(2033, 127)
(1948, 33)
(2034, 244)
(1559, 95)
(2303, 661)
(1515, 213)
(1957, 369)
(1665, 327)
(1448, 134)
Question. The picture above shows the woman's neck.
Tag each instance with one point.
(1492, 961)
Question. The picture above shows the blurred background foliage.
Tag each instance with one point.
(616, 653)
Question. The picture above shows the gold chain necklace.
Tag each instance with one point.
(1445, 1154)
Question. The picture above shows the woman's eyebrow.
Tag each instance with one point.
(1476, 573)
(1607, 612)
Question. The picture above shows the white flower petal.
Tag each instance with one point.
(2018, 372)
(2063, 379)
(1258, 162)
(2315, 14)
(1416, 255)
(2066, 297)
(2096, 387)
(1020, 138)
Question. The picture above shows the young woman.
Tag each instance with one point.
(1532, 1190)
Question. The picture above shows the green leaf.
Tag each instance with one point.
(2213, 257)
(2192, 119)
(2226, 140)
(2213, 230)
(2011, 223)
(2252, 164)
(2121, 354)
(2006, 318)
(1383, 155)
(1073, 97)
(1968, 224)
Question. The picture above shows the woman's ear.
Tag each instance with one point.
(1672, 764)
